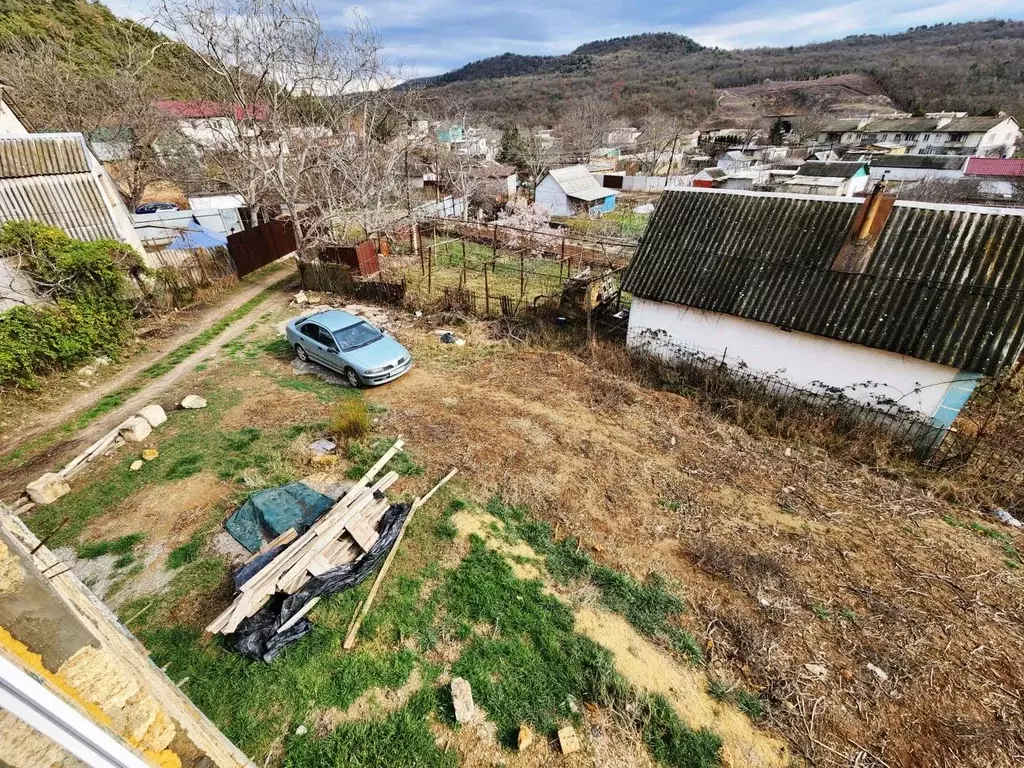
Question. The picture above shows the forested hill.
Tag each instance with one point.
(96, 41)
(977, 66)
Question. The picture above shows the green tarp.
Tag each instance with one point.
(269, 513)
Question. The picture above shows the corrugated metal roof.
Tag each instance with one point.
(944, 284)
(42, 154)
(836, 169)
(925, 162)
(814, 181)
(995, 166)
(71, 202)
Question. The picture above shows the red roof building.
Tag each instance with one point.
(995, 166)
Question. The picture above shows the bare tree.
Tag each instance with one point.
(312, 128)
(583, 127)
(659, 141)
(809, 124)
(539, 155)
(113, 109)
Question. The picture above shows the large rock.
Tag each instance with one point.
(135, 430)
(47, 489)
(462, 698)
(193, 401)
(154, 414)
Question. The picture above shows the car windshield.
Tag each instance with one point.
(355, 336)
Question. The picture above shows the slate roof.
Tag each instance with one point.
(46, 177)
(924, 162)
(836, 169)
(577, 182)
(943, 283)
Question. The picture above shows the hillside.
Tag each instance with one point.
(977, 66)
(96, 41)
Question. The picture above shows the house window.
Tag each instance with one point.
(898, 137)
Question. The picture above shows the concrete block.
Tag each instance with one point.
(568, 740)
(136, 429)
(462, 698)
(193, 402)
(154, 414)
(48, 488)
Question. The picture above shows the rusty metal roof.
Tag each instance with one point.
(42, 155)
(943, 283)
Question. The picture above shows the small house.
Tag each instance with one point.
(888, 302)
(574, 190)
(838, 179)
(710, 177)
(917, 167)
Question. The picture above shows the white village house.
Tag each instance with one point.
(935, 134)
(572, 190)
(887, 302)
(842, 179)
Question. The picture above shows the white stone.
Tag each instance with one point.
(193, 401)
(136, 465)
(462, 698)
(878, 672)
(154, 414)
(135, 430)
(47, 489)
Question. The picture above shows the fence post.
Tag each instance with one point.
(430, 266)
(561, 258)
(417, 246)
(487, 293)
(522, 276)
(463, 283)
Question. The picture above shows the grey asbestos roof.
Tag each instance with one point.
(924, 162)
(577, 182)
(942, 284)
(836, 169)
(46, 177)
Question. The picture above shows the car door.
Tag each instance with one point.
(309, 338)
(329, 350)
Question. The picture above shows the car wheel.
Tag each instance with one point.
(300, 352)
(352, 378)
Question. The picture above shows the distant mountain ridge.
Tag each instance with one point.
(974, 66)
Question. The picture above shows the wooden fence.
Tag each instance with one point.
(338, 278)
(256, 247)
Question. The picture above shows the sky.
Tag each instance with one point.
(427, 37)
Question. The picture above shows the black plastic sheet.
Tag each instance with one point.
(257, 638)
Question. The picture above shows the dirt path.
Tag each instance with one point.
(15, 479)
(43, 419)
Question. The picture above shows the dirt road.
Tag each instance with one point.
(44, 421)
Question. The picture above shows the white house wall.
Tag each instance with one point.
(804, 360)
(550, 195)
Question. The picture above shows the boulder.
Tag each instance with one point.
(193, 401)
(135, 430)
(47, 489)
(462, 698)
(154, 414)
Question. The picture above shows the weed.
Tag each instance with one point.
(187, 553)
(527, 668)
(124, 560)
(200, 368)
(363, 457)
(750, 704)
(446, 529)
(671, 742)
(121, 546)
(402, 738)
(185, 466)
(821, 611)
(350, 420)
(953, 521)
(718, 690)
(670, 505)
(847, 614)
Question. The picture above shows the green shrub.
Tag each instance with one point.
(88, 314)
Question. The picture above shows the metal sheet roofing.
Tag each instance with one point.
(42, 154)
(995, 166)
(943, 283)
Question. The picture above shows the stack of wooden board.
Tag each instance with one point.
(341, 536)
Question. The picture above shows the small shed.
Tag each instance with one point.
(572, 190)
(835, 179)
(361, 257)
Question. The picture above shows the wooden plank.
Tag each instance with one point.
(350, 638)
(285, 538)
(364, 535)
(298, 615)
